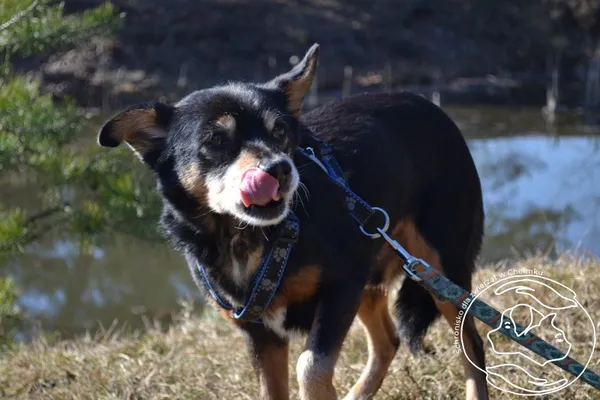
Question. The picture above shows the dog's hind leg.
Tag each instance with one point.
(383, 343)
(476, 388)
(476, 385)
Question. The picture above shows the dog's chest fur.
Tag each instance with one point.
(231, 256)
(245, 253)
(241, 254)
(246, 250)
(275, 321)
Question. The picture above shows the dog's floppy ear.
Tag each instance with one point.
(142, 126)
(296, 82)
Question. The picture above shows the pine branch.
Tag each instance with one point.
(19, 16)
(45, 214)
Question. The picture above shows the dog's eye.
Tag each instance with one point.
(216, 139)
(279, 131)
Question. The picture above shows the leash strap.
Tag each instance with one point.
(360, 210)
(267, 278)
(444, 289)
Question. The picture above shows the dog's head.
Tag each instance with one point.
(230, 146)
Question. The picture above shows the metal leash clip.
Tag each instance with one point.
(409, 261)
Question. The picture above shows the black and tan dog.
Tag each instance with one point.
(227, 169)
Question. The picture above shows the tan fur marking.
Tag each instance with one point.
(407, 235)
(270, 117)
(296, 90)
(476, 385)
(226, 121)
(136, 127)
(415, 244)
(315, 376)
(245, 161)
(272, 369)
(241, 272)
(227, 315)
(389, 261)
(379, 327)
(191, 180)
(296, 288)
(254, 259)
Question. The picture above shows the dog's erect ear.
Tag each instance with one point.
(296, 82)
(143, 127)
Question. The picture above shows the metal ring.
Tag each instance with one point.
(386, 225)
(408, 267)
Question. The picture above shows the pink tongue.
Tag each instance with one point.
(258, 187)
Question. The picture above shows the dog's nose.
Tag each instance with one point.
(279, 169)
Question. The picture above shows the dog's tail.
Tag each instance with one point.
(415, 310)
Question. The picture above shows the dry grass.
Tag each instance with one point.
(206, 359)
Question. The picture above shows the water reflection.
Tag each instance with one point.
(540, 193)
(539, 182)
(68, 290)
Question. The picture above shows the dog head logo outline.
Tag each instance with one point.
(536, 315)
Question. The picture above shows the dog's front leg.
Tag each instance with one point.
(269, 356)
(334, 316)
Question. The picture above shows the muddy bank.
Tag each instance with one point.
(167, 48)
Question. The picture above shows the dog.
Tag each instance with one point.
(228, 170)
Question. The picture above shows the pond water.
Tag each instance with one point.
(541, 192)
